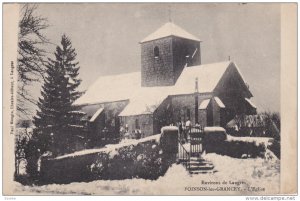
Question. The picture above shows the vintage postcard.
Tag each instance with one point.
(149, 99)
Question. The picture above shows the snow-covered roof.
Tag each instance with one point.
(169, 29)
(250, 102)
(144, 100)
(204, 104)
(125, 86)
(219, 102)
(111, 88)
(208, 77)
(96, 114)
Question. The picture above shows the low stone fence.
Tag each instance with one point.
(146, 158)
(217, 141)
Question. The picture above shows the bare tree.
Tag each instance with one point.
(31, 54)
(21, 139)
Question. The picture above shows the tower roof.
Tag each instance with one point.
(169, 29)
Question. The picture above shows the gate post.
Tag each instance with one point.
(169, 139)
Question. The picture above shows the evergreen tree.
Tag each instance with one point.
(57, 120)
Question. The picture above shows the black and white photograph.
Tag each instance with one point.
(146, 99)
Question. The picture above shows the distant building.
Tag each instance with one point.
(172, 86)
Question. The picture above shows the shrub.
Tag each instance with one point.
(144, 159)
(235, 149)
(275, 148)
(36, 146)
(265, 124)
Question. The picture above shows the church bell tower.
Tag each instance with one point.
(165, 53)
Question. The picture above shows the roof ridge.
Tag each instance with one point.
(126, 73)
(211, 64)
(169, 29)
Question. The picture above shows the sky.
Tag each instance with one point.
(106, 38)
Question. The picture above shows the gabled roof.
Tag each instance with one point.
(169, 29)
(208, 77)
(144, 100)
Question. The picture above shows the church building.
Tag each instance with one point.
(172, 86)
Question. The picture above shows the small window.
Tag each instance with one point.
(156, 52)
(137, 125)
(188, 113)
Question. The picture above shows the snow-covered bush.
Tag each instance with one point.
(237, 148)
(142, 158)
(217, 141)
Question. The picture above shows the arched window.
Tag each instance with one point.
(156, 52)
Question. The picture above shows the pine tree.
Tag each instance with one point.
(57, 119)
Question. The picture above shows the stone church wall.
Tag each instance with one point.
(184, 107)
(165, 68)
(157, 71)
(202, 117)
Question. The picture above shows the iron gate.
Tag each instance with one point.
(196, 141)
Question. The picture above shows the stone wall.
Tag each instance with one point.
(202, 115)
(162, 116)
(146, 158)
(157, 71)
(216, 140)
(165, 68)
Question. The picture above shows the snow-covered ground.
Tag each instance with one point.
(258, 172)
(258, 140)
